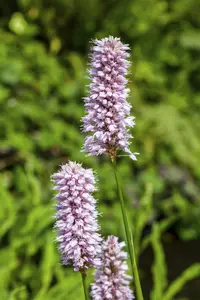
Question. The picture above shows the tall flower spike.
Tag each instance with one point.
(78, 237)
(111, 280)
(108, 117)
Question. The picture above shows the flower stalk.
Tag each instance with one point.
(84, 276)
(129, 237)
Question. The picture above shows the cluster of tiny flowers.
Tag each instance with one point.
(111, 280)
(76, 217)
(108, 117)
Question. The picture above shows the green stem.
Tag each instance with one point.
(129, 237)
(83, 275)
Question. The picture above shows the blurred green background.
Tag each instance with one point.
(43, 61)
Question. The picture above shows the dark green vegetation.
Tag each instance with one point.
(43, 61)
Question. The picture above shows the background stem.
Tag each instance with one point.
(129, 237)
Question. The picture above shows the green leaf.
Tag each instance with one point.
(163, 225)
(159, 268)
(142, 216)
(191, 39)
(175, 287)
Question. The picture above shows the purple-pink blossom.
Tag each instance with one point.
(108, 119)
(111, 280)
(76, 217)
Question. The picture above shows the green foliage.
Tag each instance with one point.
(187, 212)
(159, 269)
(43, 61)
(175, 287)
(142, 217)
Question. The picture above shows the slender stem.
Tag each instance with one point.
(83, 275)
(129, 237)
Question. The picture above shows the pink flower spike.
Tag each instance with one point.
(111, 280)
(108, 119)
(77, 227)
